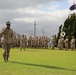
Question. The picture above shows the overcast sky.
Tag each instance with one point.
(48, 14)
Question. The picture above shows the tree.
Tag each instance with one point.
(69, 27)
(60, 29)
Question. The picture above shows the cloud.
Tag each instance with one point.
(23, 13)
(49, 21)
(10, 4)
(71, 1)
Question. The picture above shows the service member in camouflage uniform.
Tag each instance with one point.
(18, 41)
(25, 41)
(60, 43)
(66, 42)
(40, 42)
(46, 42)
(30, 42)
(72, 43)
(6, 40)
(53, 40)
(22, 42)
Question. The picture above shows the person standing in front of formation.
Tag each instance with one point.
(6, 40)
(72, 43)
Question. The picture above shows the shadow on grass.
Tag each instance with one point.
(44, 66)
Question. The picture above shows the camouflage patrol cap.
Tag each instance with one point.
(8, 23)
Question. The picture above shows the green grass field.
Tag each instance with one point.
(39, 62)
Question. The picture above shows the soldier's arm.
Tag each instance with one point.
(2, 32)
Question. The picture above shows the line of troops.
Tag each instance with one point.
(22, 41)
(64, 43)
(37, 42)
(42, 42)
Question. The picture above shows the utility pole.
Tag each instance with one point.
(34, 29)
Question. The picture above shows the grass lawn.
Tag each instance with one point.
(39, 62)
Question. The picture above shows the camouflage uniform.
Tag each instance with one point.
(30, 41)
(6, 40)
(18, 41)
(22, 42)
(46, 42)
(72, 43)
(33, 42)
(25, 41)
(66, 42)
(14, 41)
(53, 40)
(60, 43)
(40, 42)
(43, 42)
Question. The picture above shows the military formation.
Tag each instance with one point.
(30, 42)
(23, 42)
(8, 39)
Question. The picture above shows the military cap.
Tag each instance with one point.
(8, 22)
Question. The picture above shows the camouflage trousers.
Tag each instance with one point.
(73, 46)
(60, 46)
(22, 46)
(66, 46)
(53, 46)
(6, 51)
